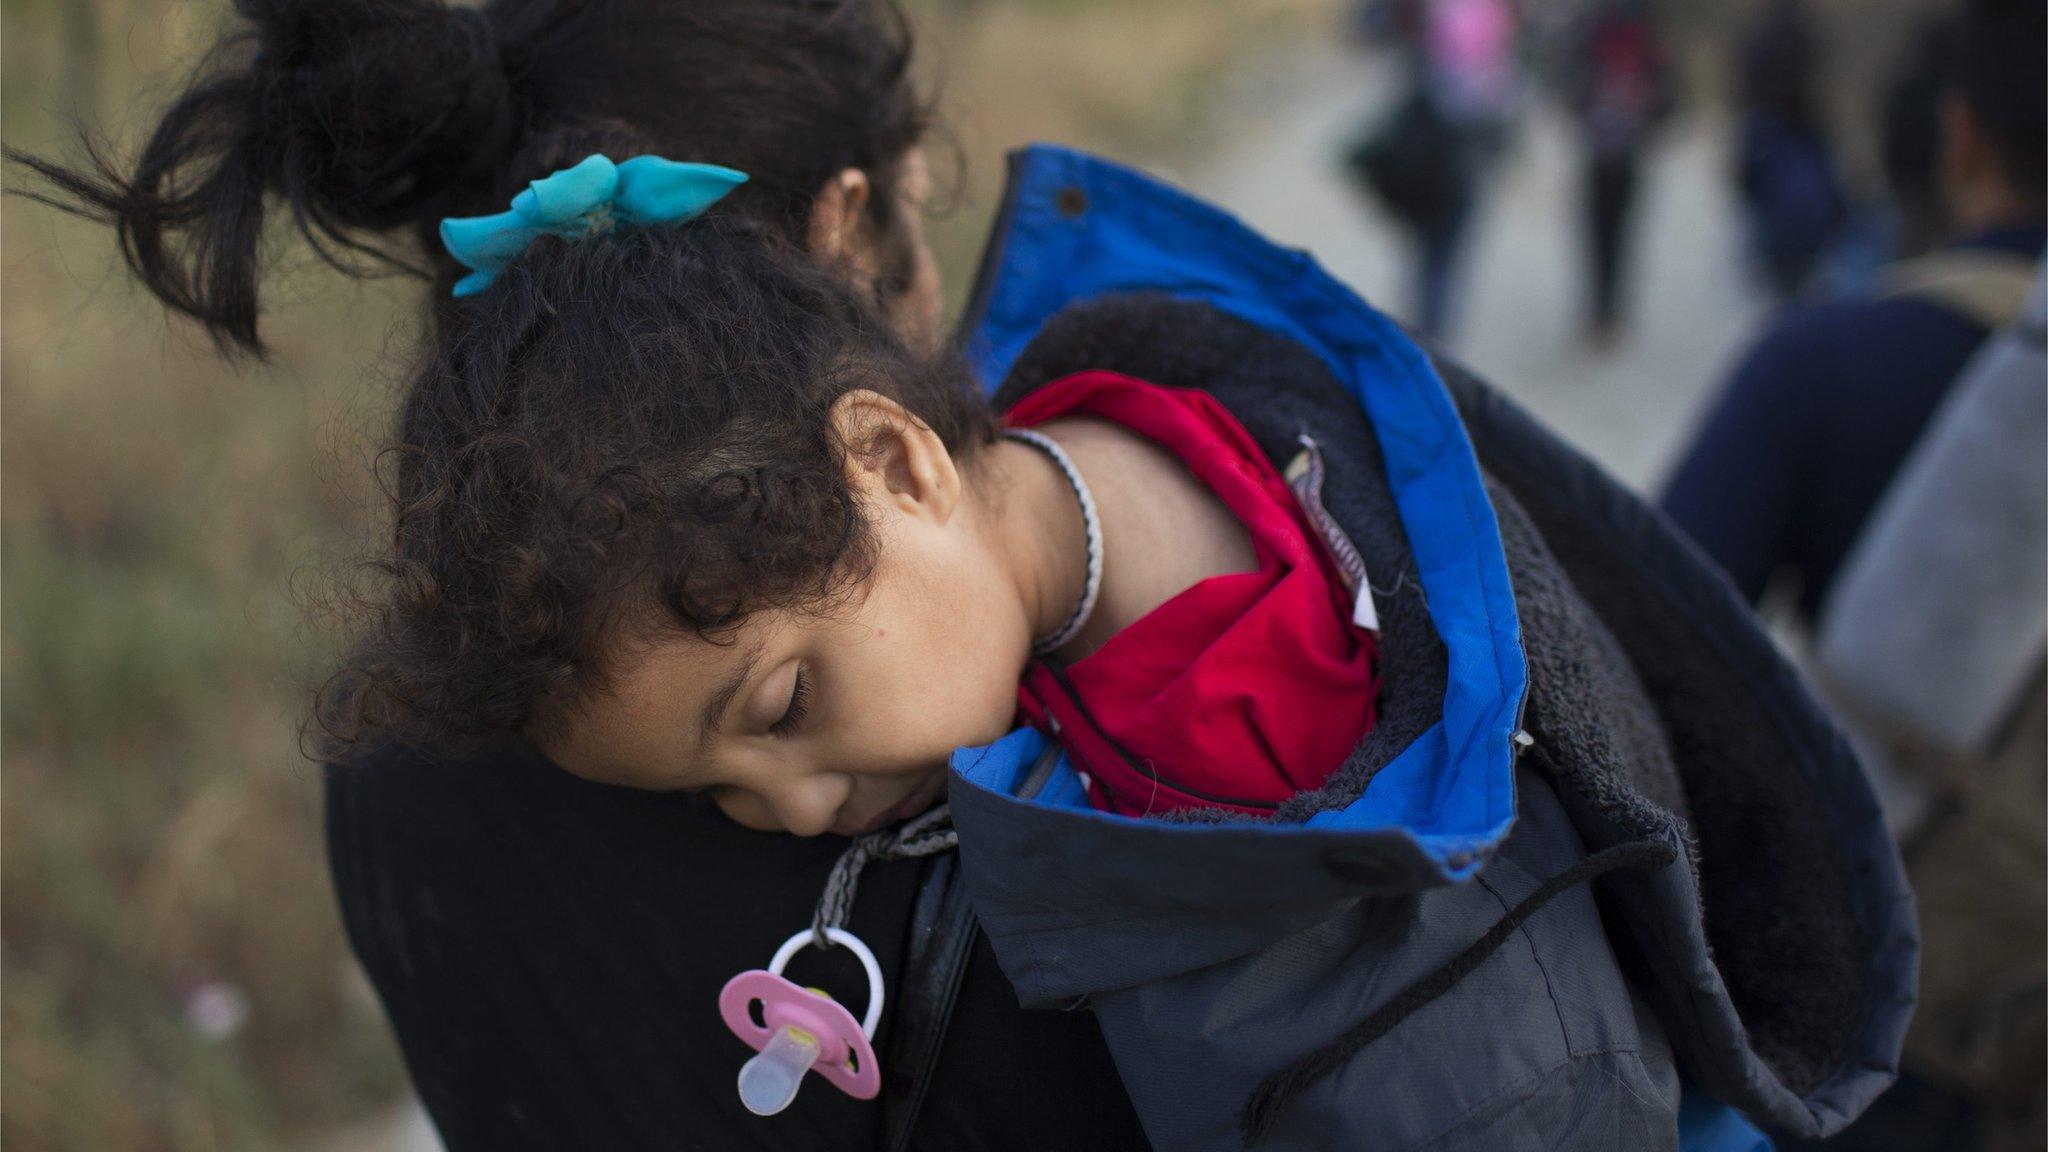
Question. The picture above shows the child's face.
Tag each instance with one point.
(841, 723)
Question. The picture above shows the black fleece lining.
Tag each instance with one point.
(1775, 886)
(1641, 715)
(1587, 709)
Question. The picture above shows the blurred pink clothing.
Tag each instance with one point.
(1471, 47)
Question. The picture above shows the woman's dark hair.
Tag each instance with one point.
(372, 119)
(2000, 67)
(625, 433)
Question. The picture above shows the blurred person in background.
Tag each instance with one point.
(1908, 218)
(1813, 423)
(1474, 68)
(1780, 488)
(1932, 649)
(1428, 162)
(1786, 170)
(1619, 84)
(1385, 23)
(1414, 165)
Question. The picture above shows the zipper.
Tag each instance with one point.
(1305, 474)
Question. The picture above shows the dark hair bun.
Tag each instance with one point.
(362, 115)
(378, 110)
(2001, 69)
(370, 120)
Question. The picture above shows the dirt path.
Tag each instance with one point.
(403, 1129)
(1632, 409)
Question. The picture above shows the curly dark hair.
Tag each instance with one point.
(1997, 63)
(624, 432)
(629, 432)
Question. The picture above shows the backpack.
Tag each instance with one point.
(1988, 288)
(1933, 645)
(1413, 163)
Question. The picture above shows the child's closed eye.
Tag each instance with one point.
(799, 705)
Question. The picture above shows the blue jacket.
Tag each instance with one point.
(1407, 959)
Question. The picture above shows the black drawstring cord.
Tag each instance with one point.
(1278, 1090)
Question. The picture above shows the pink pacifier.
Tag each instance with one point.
(803, 1029)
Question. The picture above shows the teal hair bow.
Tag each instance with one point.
(589, 199)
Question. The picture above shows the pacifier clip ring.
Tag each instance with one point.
(854, 944)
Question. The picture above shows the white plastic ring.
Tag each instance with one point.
(853, 944)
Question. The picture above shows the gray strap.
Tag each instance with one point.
(1986, 287)
(924, 835)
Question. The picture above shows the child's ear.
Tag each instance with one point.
(833, 233)
(894, 458)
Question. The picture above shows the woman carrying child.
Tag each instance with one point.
(1386, 777)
